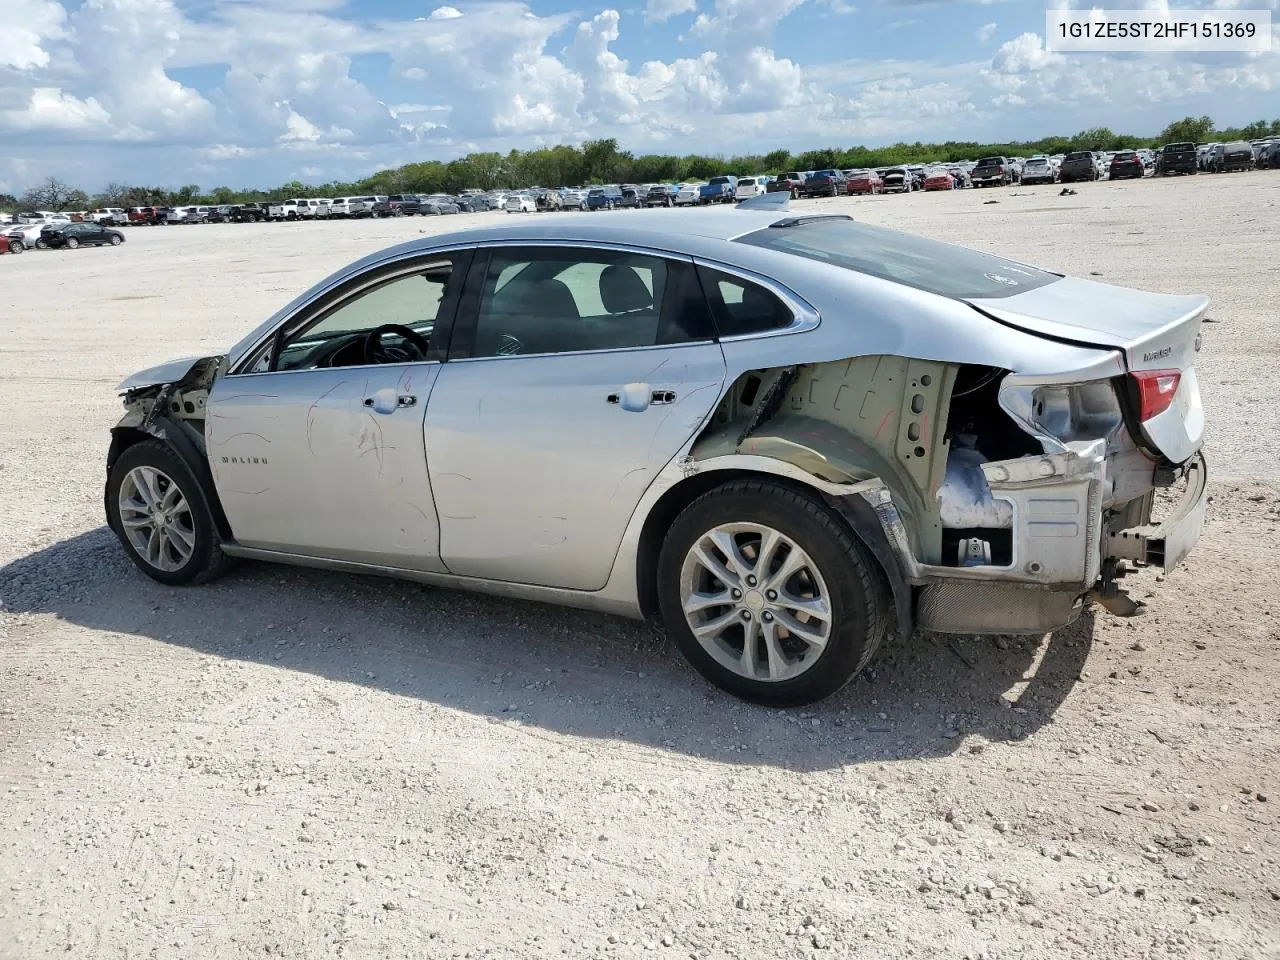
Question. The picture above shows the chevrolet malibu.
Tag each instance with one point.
(781, 436)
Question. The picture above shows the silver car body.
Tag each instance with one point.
(513, 475)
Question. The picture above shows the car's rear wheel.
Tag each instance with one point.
(769, 595)
(17, 246)
(157, 508)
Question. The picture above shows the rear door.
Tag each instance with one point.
(575, 375)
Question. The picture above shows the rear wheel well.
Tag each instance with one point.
(670, 505)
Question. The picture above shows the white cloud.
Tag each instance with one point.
(445, 13)
(24, 27)
(659, 11)
(986, 32)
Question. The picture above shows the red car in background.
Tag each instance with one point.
(939, 179)
(863, 181)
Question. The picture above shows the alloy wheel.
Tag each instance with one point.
(157, 519)
(756, 601)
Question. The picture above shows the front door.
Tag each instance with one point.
(575, 376)
(319, 449)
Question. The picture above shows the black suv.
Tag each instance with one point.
(404, 204)
(1081, 165)
(1176, 158)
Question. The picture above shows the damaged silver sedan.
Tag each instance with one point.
(779, 435)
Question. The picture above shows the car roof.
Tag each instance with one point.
(680, 231)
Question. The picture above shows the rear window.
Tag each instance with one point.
(1079, 156)
(747, 182)
(717, 180)
(790, 176)
(924, 264)
(991, 161)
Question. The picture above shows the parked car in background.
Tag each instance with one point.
(749, 187)
(148, 216)
(792, 183)
(521, 203)
(438, 205)
(992, 172)
(1176, 158)
(689, 194)
(1231, 157)
(351, 207)
(1077, 166)
(661, 195)
(604, 198)
(1126, 165)
(573, 199)
(863, 181)
(111, 216)
(1039, 170)
(403, 204)
(938, 178)
(897, 180)
(718, 190)
(27, 234)
(283, 210)
(632, 198)
(826, 183)
(73, 235)
(248, 213)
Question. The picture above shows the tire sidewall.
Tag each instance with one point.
(858, 605)
(152, 453)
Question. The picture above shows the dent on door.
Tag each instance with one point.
(327, 463)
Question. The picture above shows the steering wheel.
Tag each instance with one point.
(413, 348)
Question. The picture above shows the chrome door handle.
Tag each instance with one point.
(388, 401)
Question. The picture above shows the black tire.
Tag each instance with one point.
(207, 561)
(17, 246)
(859, 594)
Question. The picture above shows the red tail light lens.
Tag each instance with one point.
(1156, 389)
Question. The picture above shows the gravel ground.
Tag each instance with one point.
(294, 763)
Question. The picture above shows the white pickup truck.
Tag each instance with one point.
(300, 209)
(109, 216)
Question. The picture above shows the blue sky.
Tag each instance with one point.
(255, 92)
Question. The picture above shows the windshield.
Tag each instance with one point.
(928, 265)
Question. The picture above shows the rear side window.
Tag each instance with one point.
(740, 307)
(928, 265)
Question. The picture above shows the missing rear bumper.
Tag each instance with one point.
(1167, 544)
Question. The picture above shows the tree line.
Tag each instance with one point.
(603, 161)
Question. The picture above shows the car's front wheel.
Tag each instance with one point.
(156, 507)
(769, 595)
(116, 239)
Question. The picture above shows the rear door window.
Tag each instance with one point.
(740, 307)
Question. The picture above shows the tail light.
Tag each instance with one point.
(1156, 389)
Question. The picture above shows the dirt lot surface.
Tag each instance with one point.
(299, 764)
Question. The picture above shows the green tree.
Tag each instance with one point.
(1188, 129)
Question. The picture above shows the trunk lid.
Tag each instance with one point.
(1154, 331)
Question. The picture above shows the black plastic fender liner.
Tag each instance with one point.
(861, 517)
(184, 440)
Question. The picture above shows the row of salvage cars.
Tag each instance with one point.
(715, 423)
(56, 235)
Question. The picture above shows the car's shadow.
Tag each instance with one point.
(563, 671)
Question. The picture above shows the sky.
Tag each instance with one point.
(258, 92)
